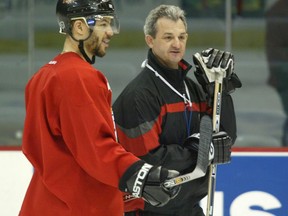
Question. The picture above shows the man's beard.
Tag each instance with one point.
(95, 47)
(98, 52)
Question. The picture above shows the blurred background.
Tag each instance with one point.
(29, 38)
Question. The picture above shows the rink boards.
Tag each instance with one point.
(254, 184)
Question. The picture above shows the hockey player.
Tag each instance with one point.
(162, 107)
(69, 135)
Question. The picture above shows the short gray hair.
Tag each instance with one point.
(168, 11)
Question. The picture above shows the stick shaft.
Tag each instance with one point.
(216, 128)
(217, 106)
(211, 190)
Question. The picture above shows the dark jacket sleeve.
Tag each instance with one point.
(172, 156)
(138, 122)
(228, 118)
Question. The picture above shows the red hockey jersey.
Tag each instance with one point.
(69, 137)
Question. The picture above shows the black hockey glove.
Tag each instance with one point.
(208, 63)
(147, 182)
(192, 143)
(220, 148)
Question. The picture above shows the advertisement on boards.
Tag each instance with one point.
(253, 184)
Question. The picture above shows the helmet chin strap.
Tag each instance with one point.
(81, 48)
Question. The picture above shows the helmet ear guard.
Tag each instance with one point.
(62, 27)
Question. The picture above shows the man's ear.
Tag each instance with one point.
(149, 40)
(79, 28)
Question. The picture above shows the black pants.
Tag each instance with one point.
(144, 214)
(197, 211)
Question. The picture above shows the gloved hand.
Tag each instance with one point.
(146, 181)
(222, 144)
(220, 148)
(192, 143)
(212, 61)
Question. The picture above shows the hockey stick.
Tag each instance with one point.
(203, 156)
(216, 75)
(216, 127)
(199, 171)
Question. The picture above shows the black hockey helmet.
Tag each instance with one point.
(89, 10)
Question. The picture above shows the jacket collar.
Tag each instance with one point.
(173, 76)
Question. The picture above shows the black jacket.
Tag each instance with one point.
(153, 121)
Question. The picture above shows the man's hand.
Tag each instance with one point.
(212, 61)
(221, 143)
(212, 64)
(147, 182)
(192, 143)
(220, 148)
